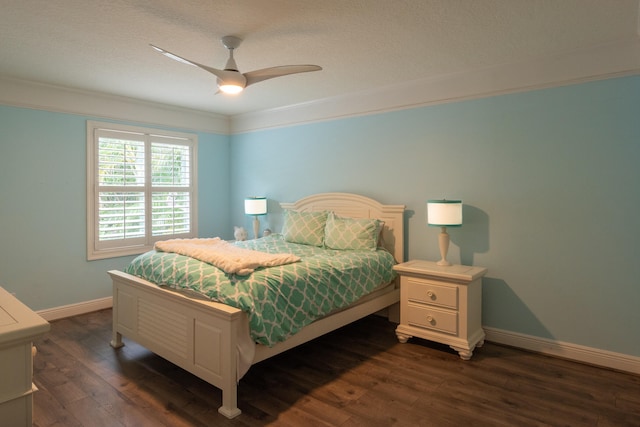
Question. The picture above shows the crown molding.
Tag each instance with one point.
(594, 63)
(40, 96)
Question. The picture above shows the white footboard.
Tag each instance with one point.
(202, 336)
(199, 336)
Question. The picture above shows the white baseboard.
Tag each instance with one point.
(592, 356)
(70, 310)
(578, 353)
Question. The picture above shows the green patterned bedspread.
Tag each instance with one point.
(279, 300)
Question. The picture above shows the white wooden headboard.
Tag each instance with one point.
(355, 206)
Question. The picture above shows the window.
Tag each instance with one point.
(141, 188)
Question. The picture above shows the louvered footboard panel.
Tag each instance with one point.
(199, 336)
(164, 328)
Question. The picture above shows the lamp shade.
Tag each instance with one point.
(255, 205)
(444, 213)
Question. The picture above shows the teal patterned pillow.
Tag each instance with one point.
(352, 233)
(306, 228)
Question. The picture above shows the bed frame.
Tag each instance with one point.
(201, 336)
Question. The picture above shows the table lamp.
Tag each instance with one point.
(444, 213)
(255, 206)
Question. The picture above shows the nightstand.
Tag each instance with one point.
(442, 304)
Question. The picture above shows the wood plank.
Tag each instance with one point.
(358, 375)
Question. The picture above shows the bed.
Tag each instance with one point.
(209, 339)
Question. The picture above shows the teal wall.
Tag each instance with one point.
(43, 256)
(551, 185)
(549, 179)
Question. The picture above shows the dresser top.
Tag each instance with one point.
(17, 321)
(464, 273)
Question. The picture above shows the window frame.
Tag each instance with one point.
(123, 247)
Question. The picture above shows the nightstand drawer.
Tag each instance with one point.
(424, 291)
(432, 318)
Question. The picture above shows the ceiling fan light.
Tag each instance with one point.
(231, 89)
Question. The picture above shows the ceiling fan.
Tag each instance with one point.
(232, 81)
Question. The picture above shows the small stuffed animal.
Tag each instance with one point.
(240, 233)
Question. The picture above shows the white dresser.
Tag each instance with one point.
(19, 326)
(442, 304)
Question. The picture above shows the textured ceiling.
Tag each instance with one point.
(103, 46)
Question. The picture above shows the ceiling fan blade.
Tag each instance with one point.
(283, 70)
(174, 56)
(230, 80)
(222, 74)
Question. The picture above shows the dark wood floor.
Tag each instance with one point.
(356, 376)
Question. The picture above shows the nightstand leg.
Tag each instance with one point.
(465, 354)
(403, 338)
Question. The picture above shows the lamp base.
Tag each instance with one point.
(256, 226)
(443, 241)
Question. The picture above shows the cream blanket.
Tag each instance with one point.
(227, 257)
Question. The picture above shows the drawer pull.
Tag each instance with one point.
(430, 320)
(431, 295)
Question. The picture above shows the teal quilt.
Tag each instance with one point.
(279, 300)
